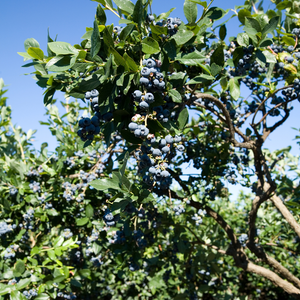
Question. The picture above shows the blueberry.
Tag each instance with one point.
(150, 63)
(145, 72)
(137, 95)
(180, 148)
(165, 149)
(156, 152)
(94, 93)
(144, 81)
(144, 105)
(169, 139)
(149, 98)
(132, 126)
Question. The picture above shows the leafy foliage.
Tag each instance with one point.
(111, 214)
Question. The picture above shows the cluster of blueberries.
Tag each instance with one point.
(108, 218)
(172, 24)
(179, 209)
(28, 219)
(151, 77)
(66, 296)
(35, 186)
(242, 239)
(10, 252)
(67, 233)
(5, 228)
(152, 160)
(30, 293)
(198, 217)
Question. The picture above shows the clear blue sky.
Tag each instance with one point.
(20, 20)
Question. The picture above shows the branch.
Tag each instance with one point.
(273, 277)
(276, 106)
(286, 214)
(270, 96)
(243, 262)
(222, 107)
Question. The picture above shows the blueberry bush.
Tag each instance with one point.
(114, 212)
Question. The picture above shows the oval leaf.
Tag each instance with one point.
(150, 46)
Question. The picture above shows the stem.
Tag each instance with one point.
(204, 11)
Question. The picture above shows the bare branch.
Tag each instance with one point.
(221, 106)
(264, 101)
(273, 277)
(285, 212)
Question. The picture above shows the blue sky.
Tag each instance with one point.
(20, 20)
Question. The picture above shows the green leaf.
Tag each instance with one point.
(202, 3)
(203, 78)
(62, 48)
(243, 39)
(76, 283)
(283, 5)
(123, 168)
(20, 267)
(23, 283)
(191, 59)
(100, 15)
(183, 118)
(58, 241)
(215, 13)
(175, 95)
(253, 24)
(138, 12)
(234, 88)
(271, 26)
(51, 254)
(126, 32)
(170, 48)
(5, 289)
(48, 98)
(104, 184)
(270, 57)
(215, 69)
(155, 126)
(182, 36)
(95, 40)
(190, 11)
(90, 82)
(119, 204)
(31, 43)
(222, 32)
(36, 53)
(60, 63)
(125, 5)
(130, 137)
(42, 296)
(119, 60)
(218, 57)
(16, 295)
(89, 211)
(289, 41)
(265, 42)
(130, 62)
(243, 13)
(156, 283)
(165, 15)
(82, 221)
(150, 46)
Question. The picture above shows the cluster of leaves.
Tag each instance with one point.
(80, 222)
